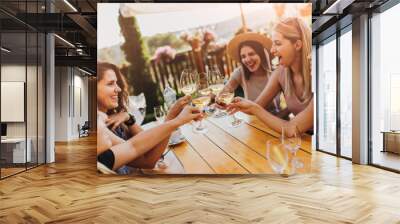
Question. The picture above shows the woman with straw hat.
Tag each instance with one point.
(292, 46)
(252, 51)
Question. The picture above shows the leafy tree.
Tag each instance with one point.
(136, 54)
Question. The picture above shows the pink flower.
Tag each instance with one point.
(199, 39)
(165, 52)
(208, 36)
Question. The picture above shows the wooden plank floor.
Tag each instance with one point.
(10, 171)
(70, 191)
(387, 159)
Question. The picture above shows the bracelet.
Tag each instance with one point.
(131, 121)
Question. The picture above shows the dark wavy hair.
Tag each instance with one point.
(259, 49)
(102, 67)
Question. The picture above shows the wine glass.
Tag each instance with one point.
(223, 99)
(159, 114)
(161, 162)
(202, 99)
(216, 82)
(188, 82)
(277, 156)
(292, 144)
(139, 102)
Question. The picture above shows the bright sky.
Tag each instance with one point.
(108, 31)
(167, 17)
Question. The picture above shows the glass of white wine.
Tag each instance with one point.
(188, 82)
(216, 82)
(202, 100)
(223, 99)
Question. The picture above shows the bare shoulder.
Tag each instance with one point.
(278, 75)
(237, 73)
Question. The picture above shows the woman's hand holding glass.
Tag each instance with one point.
(202, 100)
(173, 112)
(188, 114)
(160, 114)
(216, 82)
(224, 100)
(243, 105)
(177, 107)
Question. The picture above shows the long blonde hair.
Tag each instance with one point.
(294, 29)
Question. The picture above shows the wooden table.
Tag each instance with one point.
(227, 150)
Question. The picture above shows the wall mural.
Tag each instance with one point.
(211, 88)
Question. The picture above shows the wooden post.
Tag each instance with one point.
(243, 19)
(198, 55)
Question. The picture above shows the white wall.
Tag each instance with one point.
(61, 103)
(12, 73)
(80, 110)
(33, 127)
(71, 93)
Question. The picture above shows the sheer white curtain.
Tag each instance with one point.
(327, 96)
(346, 94)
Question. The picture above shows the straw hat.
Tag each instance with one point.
(233, 45)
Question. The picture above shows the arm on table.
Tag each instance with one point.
(303, 120)
(140, 144)
(149, 159)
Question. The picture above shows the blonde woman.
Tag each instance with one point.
(291, 44)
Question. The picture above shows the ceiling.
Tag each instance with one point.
(76, 25)
(76, 21)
